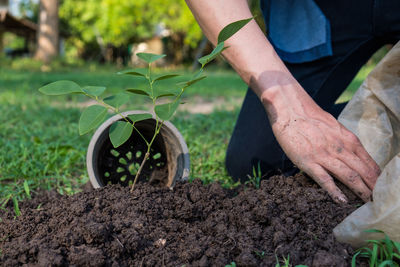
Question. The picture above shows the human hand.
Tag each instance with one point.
(323, 148)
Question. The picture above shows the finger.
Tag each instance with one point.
(354, 162)
(375, 171)
(348, 177)
(326, 182)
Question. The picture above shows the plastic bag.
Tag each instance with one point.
(373, 115)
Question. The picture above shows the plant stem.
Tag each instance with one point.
(146, 156)
(115, 110)
(158, 126)
(124, 118)
(156, 131)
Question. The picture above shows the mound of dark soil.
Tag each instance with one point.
(192, 225)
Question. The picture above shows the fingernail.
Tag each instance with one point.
(342, 199)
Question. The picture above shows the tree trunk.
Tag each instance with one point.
(1, 41)
(199, 52)
(48, 33)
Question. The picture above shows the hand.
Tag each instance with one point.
(323, 148)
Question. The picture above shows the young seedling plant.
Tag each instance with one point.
(121, 130)
(286, 262)
(255, 180)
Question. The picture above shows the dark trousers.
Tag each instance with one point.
(359, 28)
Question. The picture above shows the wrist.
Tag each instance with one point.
(268, 84)
(277, 89)
(283, 97)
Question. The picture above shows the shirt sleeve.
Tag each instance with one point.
(298, 29)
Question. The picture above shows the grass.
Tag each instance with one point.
(285, 262)
(379, 252)
(39, 137)
(356, 83)
(41, 147)
(255, 180)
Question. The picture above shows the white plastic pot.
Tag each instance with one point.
(168, 162)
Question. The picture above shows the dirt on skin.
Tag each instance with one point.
(191, 225)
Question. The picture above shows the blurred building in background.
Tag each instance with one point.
(19, 27)
(3, 5)
(99, 30)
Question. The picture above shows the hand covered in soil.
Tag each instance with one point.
(318, 144)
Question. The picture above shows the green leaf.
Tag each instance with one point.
(373, 241)
(231, 29)
(373, 231)
(140, 117)
(389, 245)
(164, 95)
(397, 245)
(94, 90)
(120, 132)
(367, 251)
(191, 82)
(138, 91)
(117, 100)
(217, 50)
(91, 117)
(134, 72)
(148, 57)
(60, 88)
(16, 207)
(354, 259)
(26, 188)
(6, 199)
(165, 111)
(198, 74)
(374, 255)
(165, 77)
(387, 263)
(163, 92)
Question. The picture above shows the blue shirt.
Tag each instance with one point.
(297, 29)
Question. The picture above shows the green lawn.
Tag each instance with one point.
(356, 83)
(39, 134)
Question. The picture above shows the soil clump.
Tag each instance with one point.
(191, 225)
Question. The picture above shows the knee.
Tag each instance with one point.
(242, 163)
(238, 163)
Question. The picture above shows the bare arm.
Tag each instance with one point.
(315, 141)
(214, 15)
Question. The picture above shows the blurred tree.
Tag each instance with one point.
(29, 9)
(92, 26)
(48, 33)
(99, 23)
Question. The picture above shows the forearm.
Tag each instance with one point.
(250, 53)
